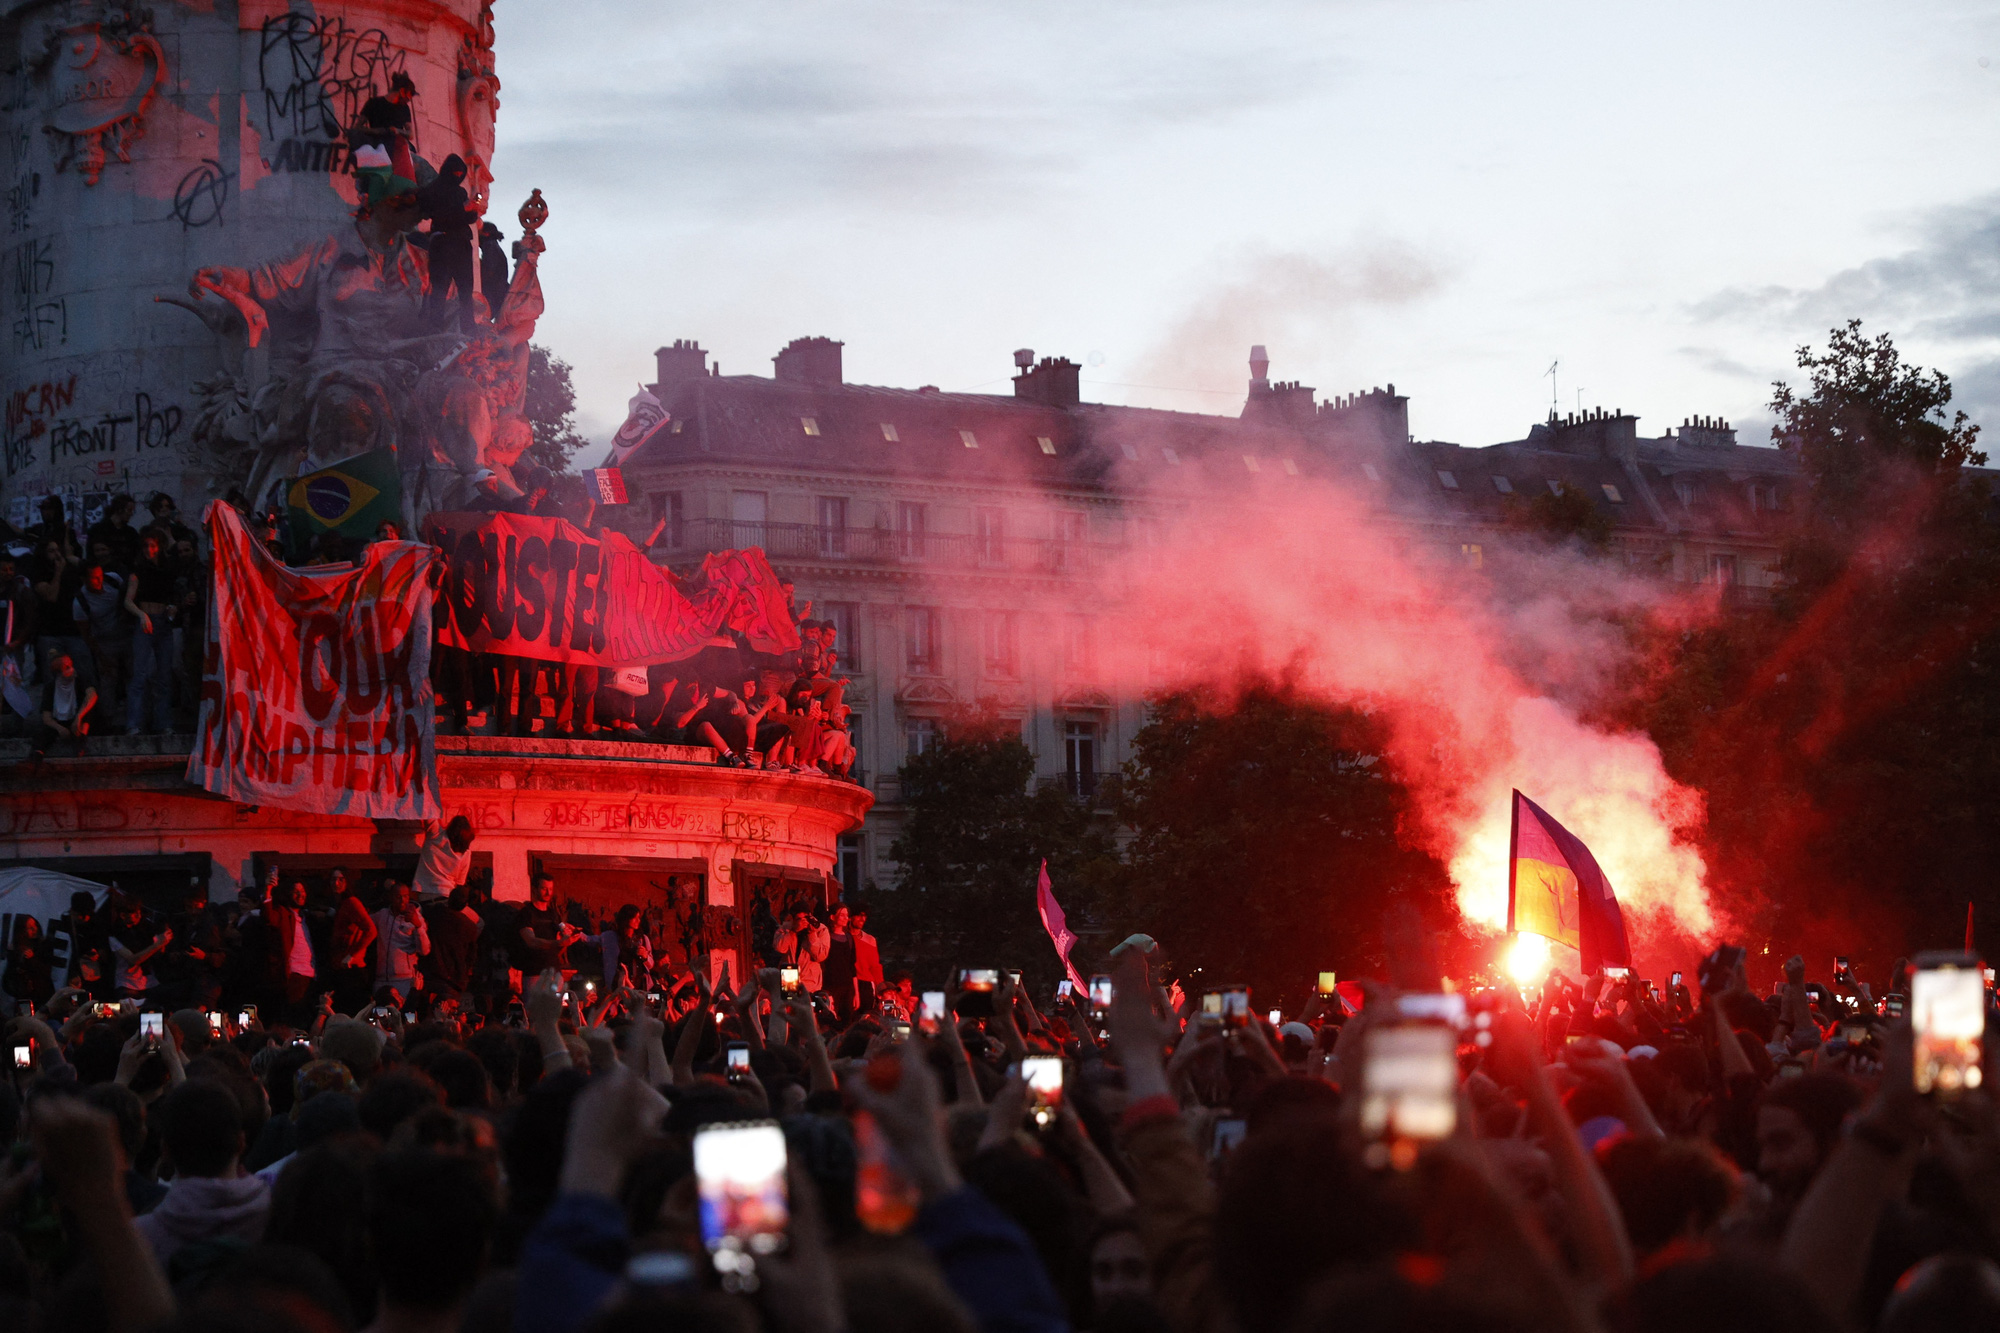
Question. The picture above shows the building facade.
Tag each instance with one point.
(960, 542)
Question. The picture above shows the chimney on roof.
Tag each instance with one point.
(808, 361)
(1053, 383)
(1260, 367)
(678, 364)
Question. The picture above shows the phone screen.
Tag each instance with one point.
(1441, 1007)
(410, 1017)
(1326, 983)
(243, 1019)
(1100, 992)
(1276, 1016)
(933, 1006)
(1065, 988)
(740, 1173)
(1948, 1018)
(1044, 1075)
(739, 1058)
(1676, 980)
(153, 1027)
(215, 1024)
(788, 980)
(1617, 973)
(1228, 1133)
(1409, 1083)
(23, 1056)
(979, 979)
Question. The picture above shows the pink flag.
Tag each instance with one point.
(1060, 934)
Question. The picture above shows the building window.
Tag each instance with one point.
(1502, 485)
(1555, 488)
(1722, 570)
(1446, 480)
(845, 617)
(889, 432)
(1167, 453)
(667, 509)
(1611, 493)
(1076, 643)
(1368, 471)
(968, 439)
(1080, 757)
(811, 425)
(1250, 463)
(832, 513)
(921, 638)
(850, 864)
(748, 510)
(920, 735)
(991, 534)
(1048, 445)
(1291, 468)
(911, 523)
(1130, 451)
(1003, 643)
(1473, 555)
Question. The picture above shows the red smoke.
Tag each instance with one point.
(1484, 675)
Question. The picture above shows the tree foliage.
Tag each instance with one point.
(551, 410)
(971, 850)
(1848, 737)
(1265, 841)
(1563, 515)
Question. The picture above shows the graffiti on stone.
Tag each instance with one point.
(316, 72)
(199, 198)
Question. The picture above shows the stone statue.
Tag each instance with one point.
(357, 362)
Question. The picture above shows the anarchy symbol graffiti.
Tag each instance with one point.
(199, 198)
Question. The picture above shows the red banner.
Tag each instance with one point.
(545, 589)
(316, 691)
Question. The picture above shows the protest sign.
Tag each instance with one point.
(316, 690)
(544, 589)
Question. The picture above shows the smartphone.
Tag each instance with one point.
(1100, 992)
(1228, 1133)
(24, 1056)
(153, 1028)
(652, 997)
(215, 1024)
(1892, 1006)
(1718, 970)
(1065, 988)
(1442, 1007)
(976, 986)
(899, 1031)
(1853, 1033)
(105, 1009)
(410, 1017)
(1676, 980)
(514, 1015)
(1231, 1004)
(1409, 1089)
(788, 980)
(1014, 975)
(1044, 1075)
(1948, 1020)
(1276, 1017)
(930, 1011)
(381, 1012)
(246, 1018)
(590, 988)
(739, 1173)
(737, 1055)
(1839, 964)
(1326, 983)
(1617, 973)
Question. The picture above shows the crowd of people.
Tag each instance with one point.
(104, 637)
(1610, 1155)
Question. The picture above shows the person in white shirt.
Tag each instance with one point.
(446, 861)
(402, 938)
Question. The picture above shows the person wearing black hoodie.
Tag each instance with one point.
(447, 206)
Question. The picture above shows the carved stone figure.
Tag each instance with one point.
(101, 78)
(356, 362)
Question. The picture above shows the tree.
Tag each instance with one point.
(1848, 738)
(1563, 515)
(1265, 841)
(551, 410)
(972, 847)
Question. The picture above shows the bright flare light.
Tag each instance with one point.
(1528, 958)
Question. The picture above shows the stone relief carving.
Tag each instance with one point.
(102, 77)
(478, 106)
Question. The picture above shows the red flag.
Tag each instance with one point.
(1555, 889)
(1053, 922)
(1350, 995)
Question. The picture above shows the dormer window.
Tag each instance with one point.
(1611, 494)
(889, 432)
(811, 425)
(1250, 463)
(1130, 451)
(1049, 446)
(1446, 480)
(1166, 452)
(1502, 485)
(968, 439)
(1368, 471)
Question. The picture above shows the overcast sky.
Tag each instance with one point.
(1664, 198)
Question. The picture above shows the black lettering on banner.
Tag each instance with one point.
(462, 588)
(319, 699)
(496, 586)
(582, 634)
(562, 559)
(533, 607)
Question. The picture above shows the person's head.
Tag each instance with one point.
(201, 1128)
(120, 510)
(51, 508)
(801, 919)
(338, 882)
(295, 894)
(459, 833)
(93, 576)
(394, 1096)
(26, 929)
(1119, 1269)
(1723, 1293)
(402, 88)
(388, 530)
(399, 896)
(543, 891)
(152, 545)
(841, 917)
(1798, 1127)
(356, 1044)
(62, 664)
(858, 920)
(1667, 1189)
(453, 169)
(628, 920)
(162, 506)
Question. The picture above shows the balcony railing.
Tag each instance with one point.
(886, 546)
(1097, 790)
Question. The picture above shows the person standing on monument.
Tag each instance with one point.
(149, 596)
(446, 861)
(401, 939)
(353, 933)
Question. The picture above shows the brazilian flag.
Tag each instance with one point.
(351, 497)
